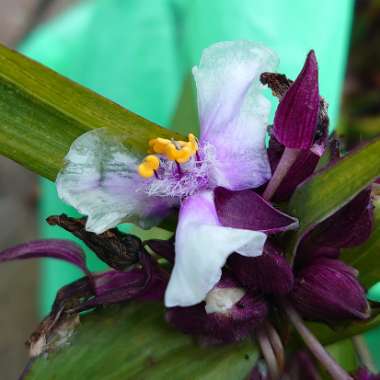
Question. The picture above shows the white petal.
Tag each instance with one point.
(234, 112)
(100, 180)
(202, 246)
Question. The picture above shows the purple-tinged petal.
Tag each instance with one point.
(365, 374)
(57, 249)
(269, 273)
(328, 290)
(163, 248)
(296, 118)
(303, 168)
(246, 209)
(202, 246)
(234, 112)
(228, 315)
(100, 180)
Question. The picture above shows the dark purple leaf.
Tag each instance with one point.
(57, 249)
(296, 118)
(269, 273)
(247, 210)
(328, 290)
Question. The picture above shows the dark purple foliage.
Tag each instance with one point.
(57, 249)
(247, 210)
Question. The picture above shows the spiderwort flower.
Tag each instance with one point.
(104, 181)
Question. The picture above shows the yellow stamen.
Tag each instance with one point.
(152, 161)
(159, 145)
(184, 154)
(148, 166)
(193, 142)
(180, 151)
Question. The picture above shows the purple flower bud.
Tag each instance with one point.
(328, 290)
(348, 227)
(269, 273)
(296, 118)
(364, 374)
(228, 314)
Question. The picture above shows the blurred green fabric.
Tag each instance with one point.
(138, 52)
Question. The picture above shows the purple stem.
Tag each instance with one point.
(267, 351)
(287, 160)
(333, 368)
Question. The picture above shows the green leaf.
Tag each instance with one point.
(329, 190)
(366, 257)
(327, 335)
(41, 113)
(135, 342)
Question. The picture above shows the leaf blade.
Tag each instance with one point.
(41, 113)
(135, 342)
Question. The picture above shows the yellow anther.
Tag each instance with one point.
(152, 161)
(180, 151)
(193, 142)
(148, 166)
(184, 154)
(144, 171)
(159, 145)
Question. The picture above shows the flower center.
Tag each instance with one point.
(179, 151)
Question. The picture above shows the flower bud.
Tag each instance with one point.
(269, 273)
(296, 119)
(328, 290)
(228, 314)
